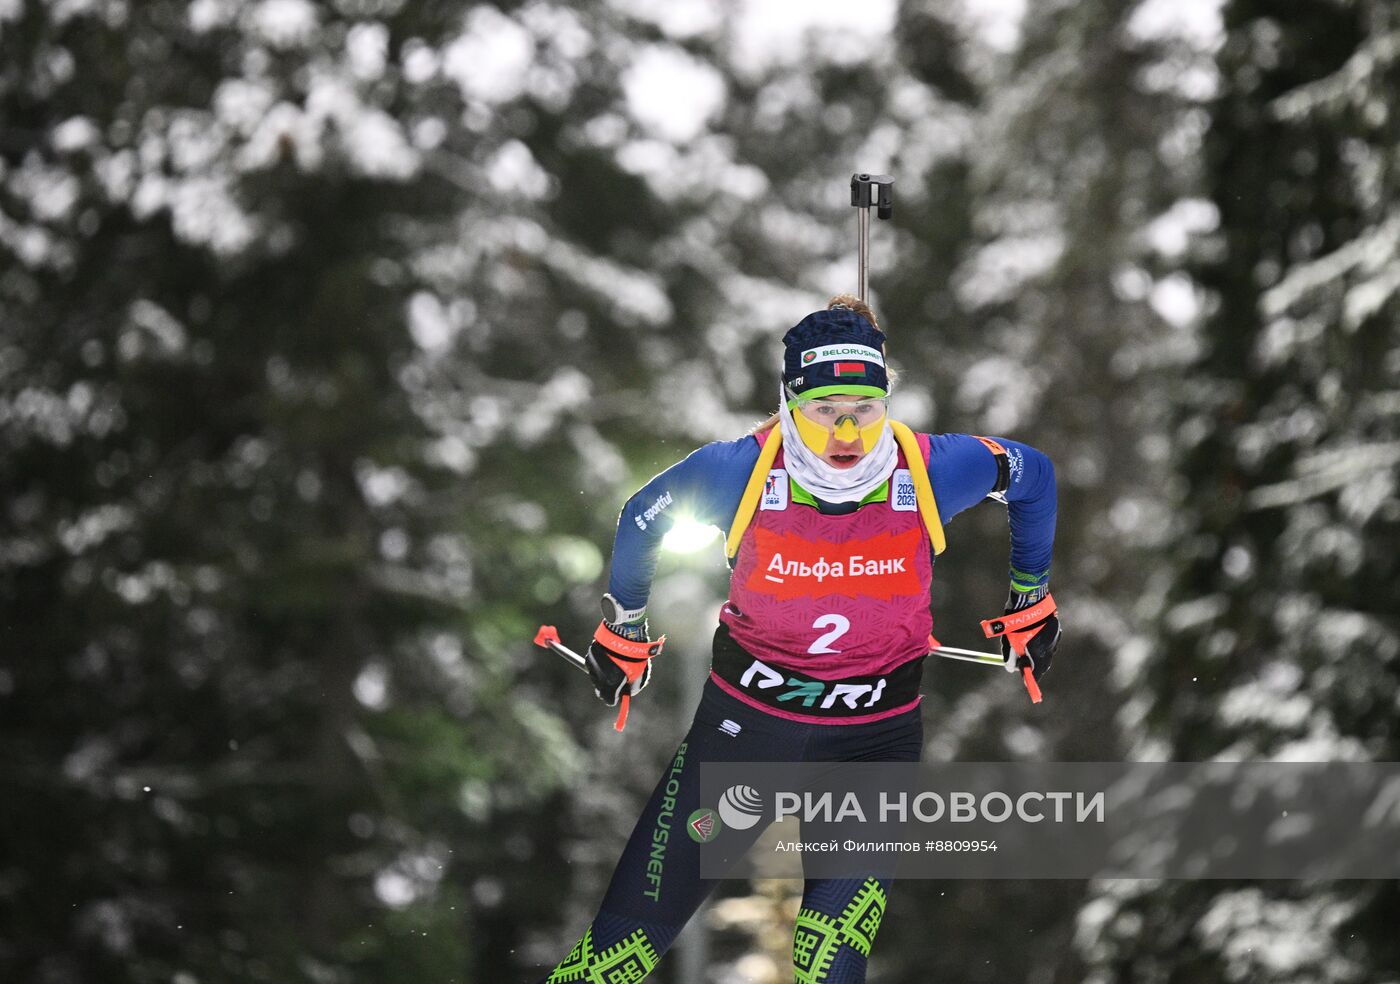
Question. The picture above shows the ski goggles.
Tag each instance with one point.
(819, 418)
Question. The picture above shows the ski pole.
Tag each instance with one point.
(548, 638)
(988, 659)
(868, 190)
(967, 655)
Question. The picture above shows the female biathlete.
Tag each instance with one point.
(834, 514)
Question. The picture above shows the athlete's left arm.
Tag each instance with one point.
(964, 471)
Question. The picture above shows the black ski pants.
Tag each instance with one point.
(648, 903)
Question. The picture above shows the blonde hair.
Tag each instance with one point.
(854, 303)
(767, 425)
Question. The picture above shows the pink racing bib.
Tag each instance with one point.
(832, 596)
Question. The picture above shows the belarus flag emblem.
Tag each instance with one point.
(850, 368)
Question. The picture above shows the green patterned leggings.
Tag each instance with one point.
(827, 947)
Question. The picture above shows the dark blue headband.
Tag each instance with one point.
(835, 351)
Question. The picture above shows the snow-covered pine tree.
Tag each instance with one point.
(1278, 637)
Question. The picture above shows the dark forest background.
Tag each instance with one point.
(334, 335)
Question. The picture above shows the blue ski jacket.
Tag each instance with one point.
(707, 485)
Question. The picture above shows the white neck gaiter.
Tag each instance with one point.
(822, 480)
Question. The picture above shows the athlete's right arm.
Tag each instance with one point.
(705, 488)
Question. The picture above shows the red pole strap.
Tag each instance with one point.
(627, 648)
(1016, 626)
(1015, 621)
(1032, 687)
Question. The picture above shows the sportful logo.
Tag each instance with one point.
(840, 353)
(654, 510)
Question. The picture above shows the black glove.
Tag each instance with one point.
(607, 670)
(1029, 630)
(619, 657)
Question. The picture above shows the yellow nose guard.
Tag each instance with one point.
(817, 437)
(846, 430)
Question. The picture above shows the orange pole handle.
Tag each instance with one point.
(548, 638)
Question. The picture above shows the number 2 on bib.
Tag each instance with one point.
(839, 626)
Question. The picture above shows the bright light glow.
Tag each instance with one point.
(688, 536)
